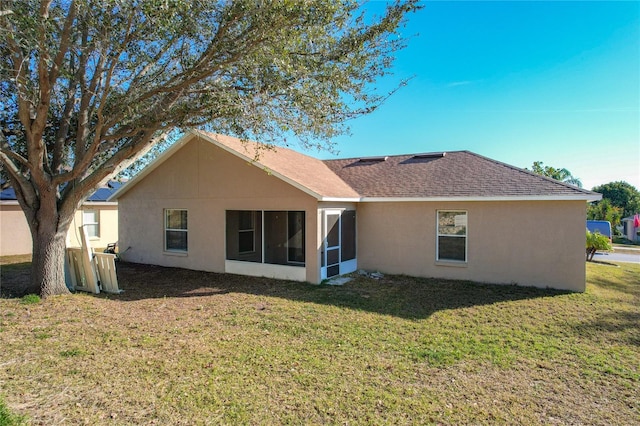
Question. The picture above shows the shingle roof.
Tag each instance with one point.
(459, 174)
(101, 194)
(452, 175)
(299, 169)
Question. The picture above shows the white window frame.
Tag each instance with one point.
(89, 225)
(166, 228)
(465, 236)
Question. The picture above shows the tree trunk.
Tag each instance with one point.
(47, 265)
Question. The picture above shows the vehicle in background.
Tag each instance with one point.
(601, 226)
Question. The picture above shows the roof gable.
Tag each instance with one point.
(308, 174)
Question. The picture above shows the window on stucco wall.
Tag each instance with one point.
(175, 230)
(452, 235)
(91, 222)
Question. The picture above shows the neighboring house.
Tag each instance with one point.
(631, 228)
(210, 203)
(99, 216)
(601, 226)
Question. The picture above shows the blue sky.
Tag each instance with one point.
(519, 82)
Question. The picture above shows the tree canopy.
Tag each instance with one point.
(621, 195)
(562, 175)
(87, 86)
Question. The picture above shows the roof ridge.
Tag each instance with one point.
(411, 154)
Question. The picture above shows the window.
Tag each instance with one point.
(175, 230)
(91, 222)
(452, 236)
(246, 232)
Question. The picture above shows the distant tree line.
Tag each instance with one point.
(619, 199)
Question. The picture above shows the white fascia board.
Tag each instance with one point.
(261, 166)
(100, 203)
(153, 165)
(341, 200)
(9, 203)
(585, 197)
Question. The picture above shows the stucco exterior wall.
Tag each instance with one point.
(15, 237)
(108, 224)
(531, 243)
(206, 181)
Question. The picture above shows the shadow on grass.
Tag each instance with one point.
(621, 326)
(15, 280)
(401, 296)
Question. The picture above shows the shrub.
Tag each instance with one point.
(596, 241)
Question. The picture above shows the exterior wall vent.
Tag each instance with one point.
(430, 155)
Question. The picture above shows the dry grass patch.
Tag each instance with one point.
(187, 347)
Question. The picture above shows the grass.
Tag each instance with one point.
(7, 417)
(188, 347)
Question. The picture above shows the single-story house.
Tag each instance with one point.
(631, 228)
(99, 216)
(215, 203)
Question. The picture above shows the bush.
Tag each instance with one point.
(596, 241)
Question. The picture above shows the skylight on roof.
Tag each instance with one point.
(372, 159)
(430, 155)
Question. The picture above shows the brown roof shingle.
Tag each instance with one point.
(460, 174)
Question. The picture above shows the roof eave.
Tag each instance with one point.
(581, 197)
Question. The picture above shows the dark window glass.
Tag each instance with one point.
(332, 271)
(333, 256)
(243, 235)
(348, 235)
(246, 241)
(175, 233)
(452, 235)
(177, 240)
(295, 237)
(245, 220)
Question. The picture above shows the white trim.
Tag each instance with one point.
(269, 270)
(465, 236)
(167, 229)
(100, 203)
(86, 203)
(341, 200)
(478, 198)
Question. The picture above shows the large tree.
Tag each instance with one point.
(87, 86)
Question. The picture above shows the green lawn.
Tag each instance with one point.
(187, 347)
